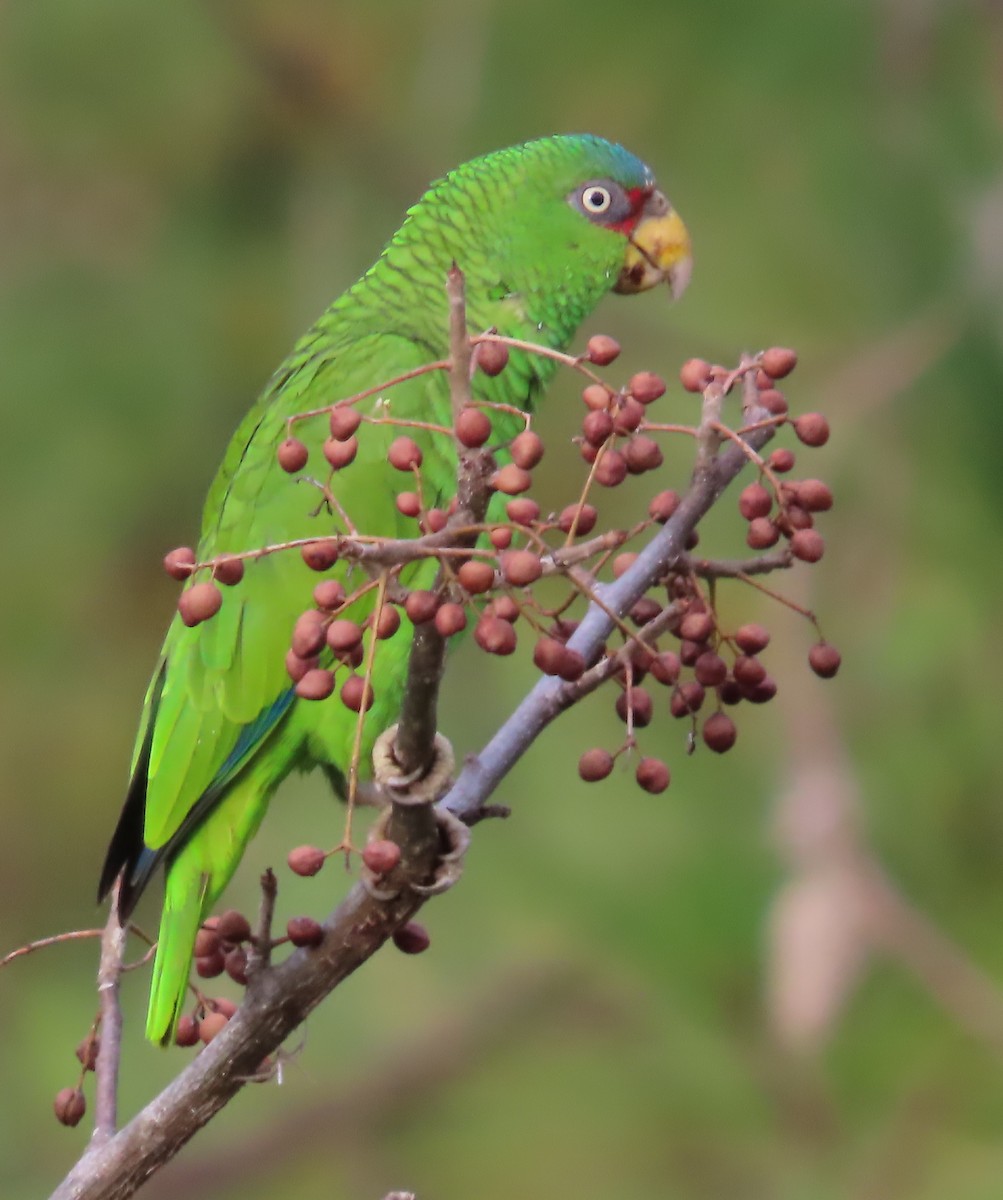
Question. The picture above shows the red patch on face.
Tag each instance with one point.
(637, 197)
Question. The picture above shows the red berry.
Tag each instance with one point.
(388, 623)
(695, 374)
(814, 495)
(292, 455)
(420, 606)
(762, 533)
(652, 775)
(824, 659)
(643, 454)
(450, 619)
(343, 635)
(504, 607)
(748, 670)
(526, 449)
(408, 504)
(87, 1052)
(696, 626)
(511, 480)
(596, 396)
(581, 517)
(754, 501)
(491, 357)
(69, 1106)
(404, 454)
(476, 576)
(521, 567)
(646, 386)
(304, 931)
(611, 470)
(501, 537)
(686, 699)
(199, 602)
(320, 555)
(412, 938)
(381, 856)
(308, 634)
(595, 764)
(640, 709)
(773, 401)
(329, 594)
(812, 429)
(315, 684)
(719, 732)
(473, 427)
(597, 425)
(206, 942)
(210, 966)
(306, 860)
(778, 361)
(356, 694)
(233, 927)
(340, 454)
(187, 1032)
(494, 635)
(623, 562)
(663, 506)
(781, 460)
(212, 1025)
(602, 350)
(522, 511)
(178, 563)
(228, 571)
(752, 638)
(710, 669)
(345, 420)
(808, 545)
(665, 667)
(628, 415)
(236, 965)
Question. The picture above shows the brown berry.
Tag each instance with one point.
(87, 1052)
(773, 401)
(450, 619)
(596, 396)
(381, 856)
(408, 504)
(652, 775)
(686, 699)
(602, 349)
(597, 426)
(754, 501)
(640, 709)
(340, 454)
(778, 361)
(511, 480)
(306, 860)
(695, 374)
(356, 694)
(663, 506)
(315, 684)
(645, 610)
(824, 659)
(320, 555)
(719, 732)
(304, 931)
(526, 449)
(233, 927)
(308, 633)
(815, 495)
(812, 429)
(761, 693)
(808, 545)
(206, 942)
(473, 427)
(228, 571)
(236, 965)
(752, 638)
(628, 415)
(504, 607)
(781, 460)
(187, 1032)
(580, 517)
(199, 602)
(212, 1025)
(696, 626)
(292, 455)
(178, 563)
(494, 635)
(389, 622)
(329, 594)
(491, 357)
(623, 562)
(521, 567)
(501, 537)
(404, 454)
(343, 635)
(345, 420)
(611, 469)
(69, 1106)
(476, 576)
(665, 667)
(547, 655)
(642, 454)
(646, 386)
(412, 938)
(210, 966)
(748, 670)
(420, 606)
(710, 669)
(762, 533)
(522, 511)
(595, 764)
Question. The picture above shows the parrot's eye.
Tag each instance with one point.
(596, 199)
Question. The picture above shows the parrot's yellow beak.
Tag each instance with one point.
(658, 250)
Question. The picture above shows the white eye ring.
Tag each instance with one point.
(596, 199)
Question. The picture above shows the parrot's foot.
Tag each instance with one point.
(424, 786)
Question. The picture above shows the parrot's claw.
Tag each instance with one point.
(449, 868)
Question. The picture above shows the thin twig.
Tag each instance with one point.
(110, 1048)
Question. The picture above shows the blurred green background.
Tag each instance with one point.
(691, 996)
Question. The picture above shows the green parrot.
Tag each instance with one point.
(541, 232)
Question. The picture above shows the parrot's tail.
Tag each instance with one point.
(185, 903)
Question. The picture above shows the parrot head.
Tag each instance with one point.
(548, 227)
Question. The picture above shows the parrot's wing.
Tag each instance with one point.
(221, 692)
